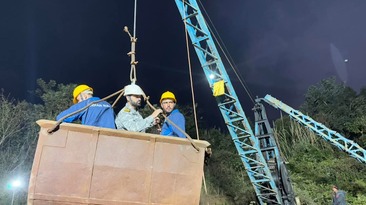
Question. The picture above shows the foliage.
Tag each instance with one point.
(55, 97)
(358, 200)
(290, 134)
(338, 107)
(17, 142)
(316, 165)
(225, 170)
(18, 133)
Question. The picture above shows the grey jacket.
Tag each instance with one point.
(339, 198)
(129, 119)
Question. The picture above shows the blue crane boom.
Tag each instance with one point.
(236, 121)
(329, 135)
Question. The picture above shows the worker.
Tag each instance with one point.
(339, 196)
(167, 103)
(98, 114)
(129, 117)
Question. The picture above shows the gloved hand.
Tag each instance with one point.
(208, 154)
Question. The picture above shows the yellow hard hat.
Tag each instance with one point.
(79, 89)
(168, 95)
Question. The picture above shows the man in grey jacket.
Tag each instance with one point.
(129, 117)
(339, 196)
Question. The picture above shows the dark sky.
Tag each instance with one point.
(279, 47)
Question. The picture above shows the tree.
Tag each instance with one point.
(55, 97)
(18, 132)
(17, 141)
(225, 171)
(338, 107)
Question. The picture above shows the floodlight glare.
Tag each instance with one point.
(16, 183)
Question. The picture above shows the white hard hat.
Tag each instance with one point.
(133, 89)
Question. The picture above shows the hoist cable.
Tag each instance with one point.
(134, 19)
(176, 126)
(227, 56)
(117, 99)
(132, 53)
(190, 73)
(192, 87)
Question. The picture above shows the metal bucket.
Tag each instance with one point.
(81, 164)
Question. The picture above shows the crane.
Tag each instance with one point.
(335, 138)
(271, 153)
(247, 144)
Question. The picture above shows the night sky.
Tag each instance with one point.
(279, 47)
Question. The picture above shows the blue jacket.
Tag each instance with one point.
(170, 130)
(100, 114)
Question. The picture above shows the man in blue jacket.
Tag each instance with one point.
(99, 114)
(167, 103)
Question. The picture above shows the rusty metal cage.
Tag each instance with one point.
(81, 164)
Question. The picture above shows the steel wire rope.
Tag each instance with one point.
(132, 53)
(192, 87)
(234, 67)
(227, 56)
(191, 76)
(180, 129)
(82, 109)
(133, 77)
